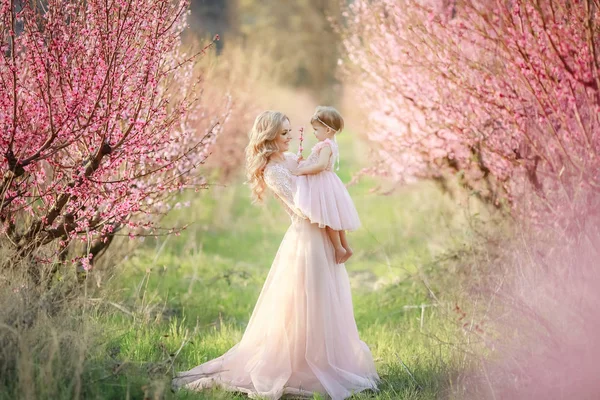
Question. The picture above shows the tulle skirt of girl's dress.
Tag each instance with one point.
(324, 199)
(302, 337)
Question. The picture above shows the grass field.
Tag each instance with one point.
(191, 295)
(178, 301)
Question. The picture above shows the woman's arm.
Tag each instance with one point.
(277, 181)
(320, 165)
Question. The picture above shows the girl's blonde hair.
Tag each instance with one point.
(328, 116)
(267, 126)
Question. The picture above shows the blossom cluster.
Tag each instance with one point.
(504, 94)
(100, 118)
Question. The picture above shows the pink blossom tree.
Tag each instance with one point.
(100, 123)
(506, 94)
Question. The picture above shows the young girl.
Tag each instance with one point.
(320, 194)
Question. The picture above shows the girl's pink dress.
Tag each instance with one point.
(322, 197)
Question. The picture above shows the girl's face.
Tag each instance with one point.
(284, 136)
(321, 131)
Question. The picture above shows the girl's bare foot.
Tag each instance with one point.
(349, 253)
(340, 254)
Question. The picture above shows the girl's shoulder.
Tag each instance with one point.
(325, 143)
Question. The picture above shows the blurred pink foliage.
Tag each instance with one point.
(504, 94)
(100, 120)
(541, 308)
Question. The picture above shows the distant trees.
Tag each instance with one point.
(297, 38)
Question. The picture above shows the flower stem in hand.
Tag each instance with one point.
(301, 139)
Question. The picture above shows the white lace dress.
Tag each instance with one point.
(302, 336)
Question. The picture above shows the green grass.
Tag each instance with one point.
(192, 295)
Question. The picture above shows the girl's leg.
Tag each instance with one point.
(340, 251)
(346, 246)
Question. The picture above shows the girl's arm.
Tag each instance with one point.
(320, 165)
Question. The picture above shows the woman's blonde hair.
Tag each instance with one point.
(267, 126)
(330, 117)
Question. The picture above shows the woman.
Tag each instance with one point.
(302, 337)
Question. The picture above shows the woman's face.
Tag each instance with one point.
(284, 136)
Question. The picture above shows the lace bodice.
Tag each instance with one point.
(280, 180)
(316, 150)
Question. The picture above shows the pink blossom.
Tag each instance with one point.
(475, 89)
(98, 124)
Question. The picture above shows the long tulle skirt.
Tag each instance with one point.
(323, 197)
(302, 336)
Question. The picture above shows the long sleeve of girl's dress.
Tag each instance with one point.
(279, 180)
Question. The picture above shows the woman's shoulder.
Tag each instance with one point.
(270, 173)
(290, 156)
(272, 169)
